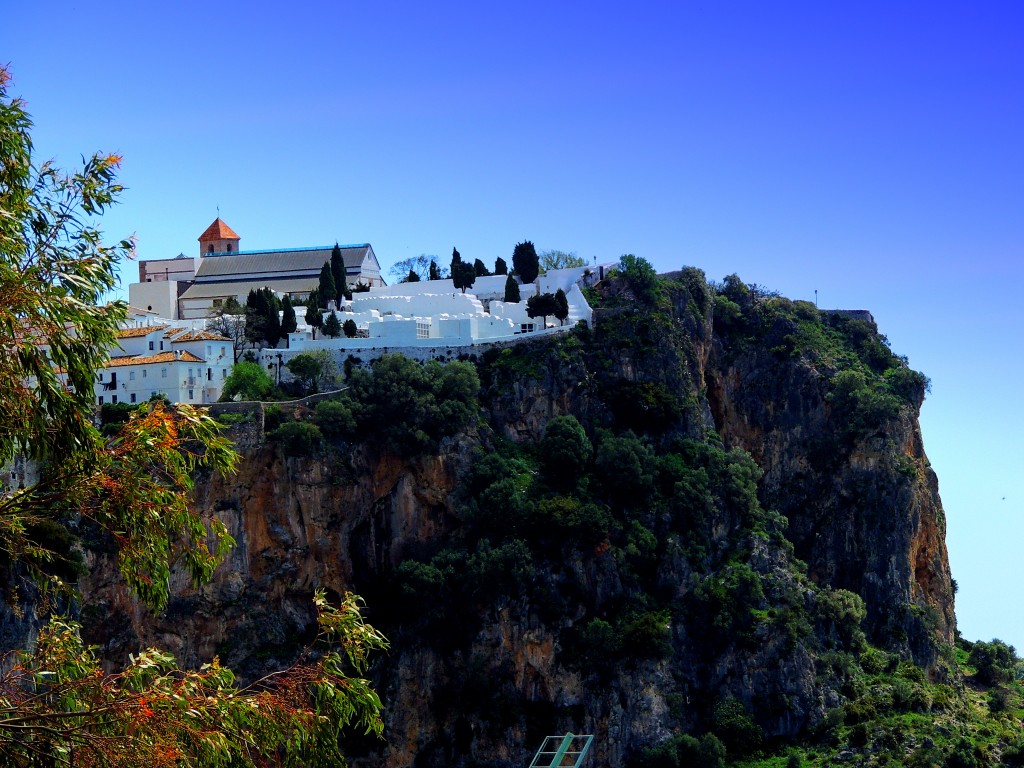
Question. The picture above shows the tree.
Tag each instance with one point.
(434, 272)
(480, 269)
(541, 306)
(247, 381)
(456, 260)
(262, 322)
(229, 321)
(326, 289)
(338, 274)
(332, 326)
(59, 705)
(463, 275)
(402, 270)
(560, 260)
(512, 290)
(561, 306)
(564, 452)
(412, 277)
(500, 267)
(525, 261)
(350, 328)
(314, 317)
(314, 370)
(289, 323)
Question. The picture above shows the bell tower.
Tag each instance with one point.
(218, 239)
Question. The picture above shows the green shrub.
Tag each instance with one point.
(734, 726)
(995, 662)
(297, 438)
(564, 452)
(648, 636)
(273, 417)
(335, 418)
(249, 382)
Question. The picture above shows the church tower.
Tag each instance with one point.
(218, 238)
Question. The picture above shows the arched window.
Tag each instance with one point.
(229, 247)
(209, 248)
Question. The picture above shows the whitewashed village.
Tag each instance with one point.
(179, 341)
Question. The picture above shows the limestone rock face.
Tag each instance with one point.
(485, 686)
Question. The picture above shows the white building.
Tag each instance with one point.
(185, 365)
(196, 288)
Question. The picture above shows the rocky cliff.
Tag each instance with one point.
(696, 517)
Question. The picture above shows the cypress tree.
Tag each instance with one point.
(327, 290)
(289, 323)
(480, 269)
(512, 290)
(435, 273)
(500, 267)
(338, 273)
(561, 306)
(314, 319)
(525, 261)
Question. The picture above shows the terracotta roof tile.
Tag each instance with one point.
(218, 231)
(160, 357)
(200, 336)
(134, 332)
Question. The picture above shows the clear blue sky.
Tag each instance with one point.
(871, 151)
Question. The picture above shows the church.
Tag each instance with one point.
(184, 288)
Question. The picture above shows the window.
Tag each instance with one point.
(217, 303)
(163, 373)
(144, 373)
(101, 399)
(223, 373)
(229, 247)
(526, 328)
(151, 346)
(209, 374)
(422, 330)
(161, 345)
(131, 375)
(113, 399)
(209, 248)
(133, 397)
(101, 377)
(190, 394)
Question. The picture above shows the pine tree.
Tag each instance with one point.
(512, 290)
(332, 326)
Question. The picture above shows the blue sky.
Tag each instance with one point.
(870, 151)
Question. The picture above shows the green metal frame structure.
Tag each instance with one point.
(562, 751)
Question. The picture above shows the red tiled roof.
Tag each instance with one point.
(218, 231)
(200, 336)
(160, 357)
(134, 332)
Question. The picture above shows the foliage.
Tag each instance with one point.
(500, 267)
(62, 709)
(404, 269)
(564, 452)
(549, 260)
(262, 321)
(525, 261)
(332, 325)
(994, 662)
(733, 725)
(463, 275)
(313, 369)
(335, 418)
(512, 290)
(480, 269)
(561, 311)
(314, 317)
(229, 321)
(435, 272)
(326, 290)
(249, 381)
(298, 438)
(289, 323)
(640, 277)
(412, 277)
(338, 274)
(542, 306)
(409, 406)
(350, 328)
